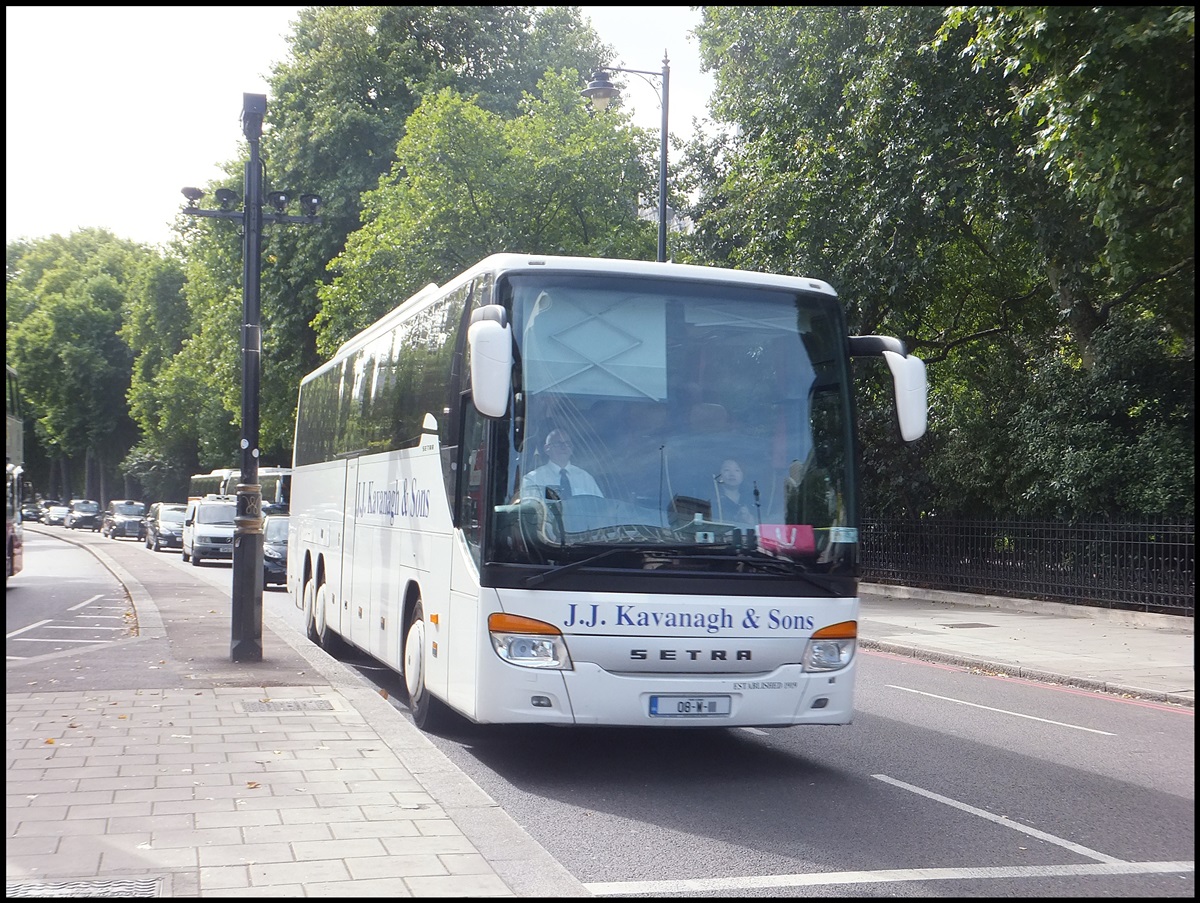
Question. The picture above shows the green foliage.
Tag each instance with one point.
(161, 479)
(468, 183)
(66, 300)
(1108, 92)
(1116, 438)
(336, 109)
(159, 326)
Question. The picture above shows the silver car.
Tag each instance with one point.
(56, 515)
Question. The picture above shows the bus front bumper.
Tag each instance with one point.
(589, 695)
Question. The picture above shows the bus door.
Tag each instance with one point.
(347, 589)
(466, 548)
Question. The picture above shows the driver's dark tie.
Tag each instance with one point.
(564, 484)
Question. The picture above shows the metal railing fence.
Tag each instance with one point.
(1138, 567)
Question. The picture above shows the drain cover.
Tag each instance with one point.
(289, 705)
(111, 887)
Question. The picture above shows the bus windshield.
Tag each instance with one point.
(683, 422)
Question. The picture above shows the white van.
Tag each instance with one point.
(208, 528)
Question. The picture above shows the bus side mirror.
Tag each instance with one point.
(908, 377)
(490, 341)
(912, 393)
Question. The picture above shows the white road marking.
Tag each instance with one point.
(24, 629)
(86, 602)
(975, 705)
(33, 639)
(882, 876)
(1001, 820)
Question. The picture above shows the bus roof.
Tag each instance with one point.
(507, 263)
(504, 264)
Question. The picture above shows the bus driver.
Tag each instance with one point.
(559, 473)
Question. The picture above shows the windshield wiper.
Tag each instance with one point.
(769, 564)
(760, 562)
(539, 579)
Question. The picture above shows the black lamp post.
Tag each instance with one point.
(600, 91)
(246, 642)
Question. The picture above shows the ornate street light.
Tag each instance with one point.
(246, 642)
(600, 91)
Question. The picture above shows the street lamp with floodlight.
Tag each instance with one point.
(246, 639)
(600, 91)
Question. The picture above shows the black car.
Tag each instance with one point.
(164, 526)
(123, 517)
(84, 514)
(275, 537)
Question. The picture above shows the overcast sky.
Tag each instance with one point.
(111, 110)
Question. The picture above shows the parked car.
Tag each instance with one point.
(55, 515)
(275, 539)
(163, 526)
(83, 515)
(208, 528)
(123, 517)
(31, 511)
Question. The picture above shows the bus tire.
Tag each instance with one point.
(428, 714)
(308, 597)
(326, 637)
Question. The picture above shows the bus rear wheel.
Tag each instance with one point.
(308, 596)
(428, 714)
(316, 605)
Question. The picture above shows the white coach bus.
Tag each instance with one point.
(276, 483)
(699, 565)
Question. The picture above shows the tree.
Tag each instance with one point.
(336, 108)
(158, 325)
(66, 299)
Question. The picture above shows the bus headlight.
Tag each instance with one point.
(831, 648)
(528, 642)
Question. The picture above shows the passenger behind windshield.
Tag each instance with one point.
(733, 505)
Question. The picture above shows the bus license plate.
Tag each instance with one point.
(688, 706)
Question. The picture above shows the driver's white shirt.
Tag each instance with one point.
(582, 482)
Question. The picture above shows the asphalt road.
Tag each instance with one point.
(950, 782)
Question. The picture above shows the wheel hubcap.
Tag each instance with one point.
(414, 660)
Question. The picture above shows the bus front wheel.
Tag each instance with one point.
(428, 714)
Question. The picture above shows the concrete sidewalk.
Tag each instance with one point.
(184, 774)
(1150, 656)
